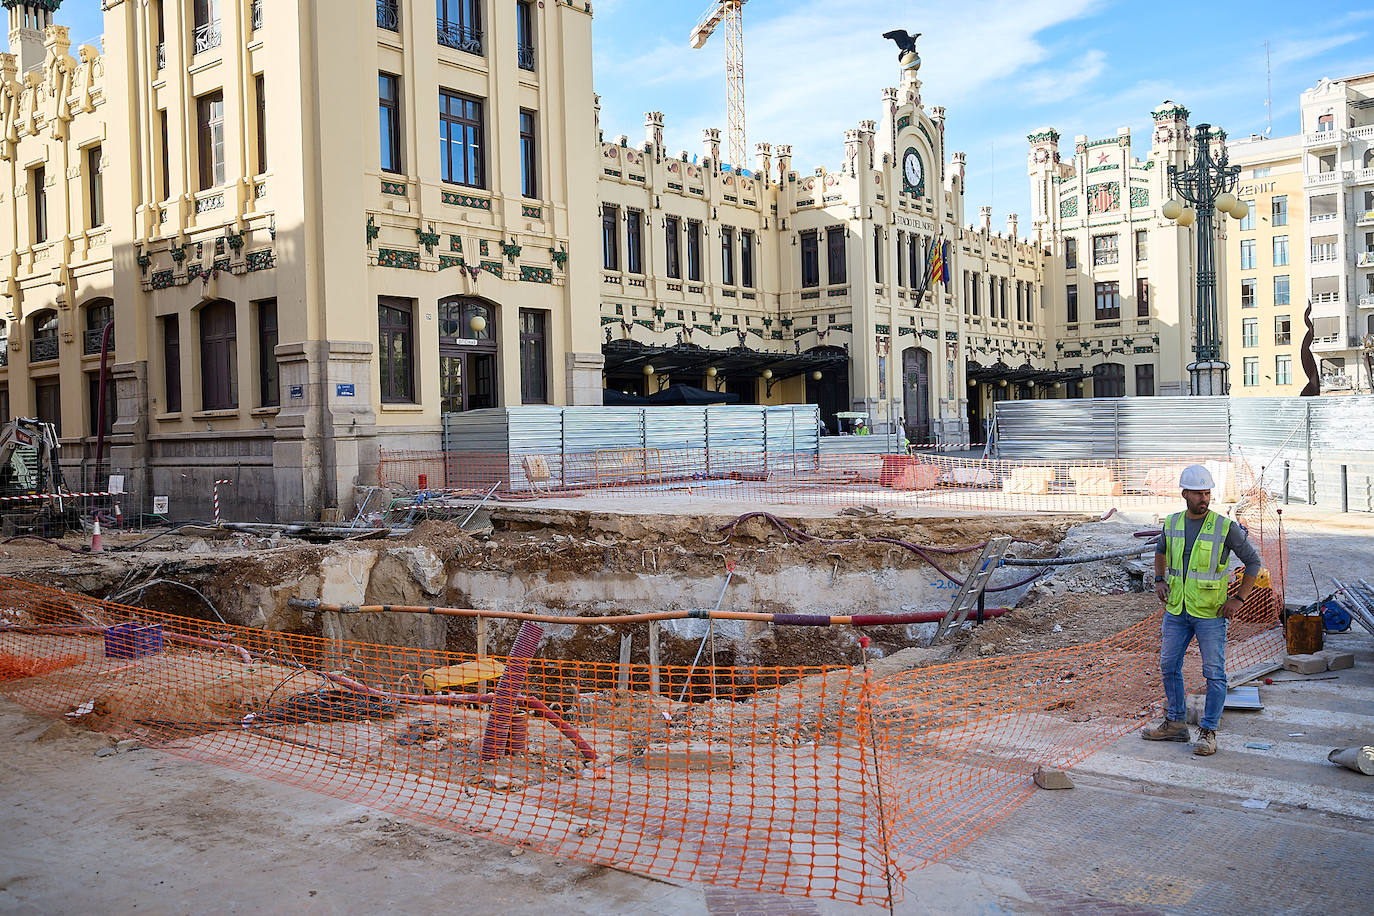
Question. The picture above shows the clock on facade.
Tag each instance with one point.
(913, 172)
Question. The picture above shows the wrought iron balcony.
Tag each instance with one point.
(4, 352)
(161, 56)
(524, 56)
(460, 37)
(42, 349)
(257, 15)
(207, 36)
(90, 341)
(388, 15)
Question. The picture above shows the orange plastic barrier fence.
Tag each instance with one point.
(791, 779)
(681, 476)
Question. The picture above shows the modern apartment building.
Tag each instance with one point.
(1338, 180)
(1262, 300)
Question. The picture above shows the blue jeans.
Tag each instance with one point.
(1179, 630)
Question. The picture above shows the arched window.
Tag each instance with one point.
(219, 357)
(99, 312)
(43, 339)
(467, 354)
(1109, 380)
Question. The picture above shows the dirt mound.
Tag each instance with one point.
(1056, 622)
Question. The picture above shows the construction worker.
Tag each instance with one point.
(1190, 578)
(861, 429)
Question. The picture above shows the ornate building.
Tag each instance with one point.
(281, 287)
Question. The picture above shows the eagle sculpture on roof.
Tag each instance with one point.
(906, 43)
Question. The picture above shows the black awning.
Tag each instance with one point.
(1024, 374)
(628, 356)
(688, 394)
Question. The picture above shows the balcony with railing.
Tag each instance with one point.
(1323, 138)
(1364, 259)
(524, 56)
(207, 37)
(256, 20)
(389, 15)
(1336, 381)
(1322, 217)
(459, 37)
(1362, 176)
(42, 349)
(161, 56)
(1336, 176)
(1364, 218)
(91, 340)
(4, 352)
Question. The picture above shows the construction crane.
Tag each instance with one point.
(731, 13)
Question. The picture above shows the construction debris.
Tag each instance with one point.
(1359, 759)
(1047, 778)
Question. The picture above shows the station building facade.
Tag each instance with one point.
(296, 279)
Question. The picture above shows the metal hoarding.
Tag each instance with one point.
(590, 446)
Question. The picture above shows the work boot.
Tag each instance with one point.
(1206, 744)
(1168, 730)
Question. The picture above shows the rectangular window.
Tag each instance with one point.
(1283, 370)
(1280, 210)
(260, 97)
(877, 254)
(47, 402)
(219, 357)
(634, 241)
(1247, 254)
(1108, 300)
(1070, 254)
(95, 187)
(834, 251)
(269, 379)
(389, 121)
(166, 155)
(171, 363)
(1109, 380)
(461, 145)
(1145, 381)
(1249, 332)
(1071, 298)
(915, 263)
(524, 35)
(1104, 250)
(395, 348)
(1248, 223)
(1281, 290)
(1250, 370)
(1280, 251)
(207, 33)
(534, 357)
(1247, 293)
(1283, 330)
(671, 256)
(529, 162)
(694, 250)
(810, 258)
(746, 259)
(210, 132)
(977, 284)
(460, 25)
(1142, 298)
(610, 237)
(1142, 244)
(727, 255)
(38, 190)
(901, 259)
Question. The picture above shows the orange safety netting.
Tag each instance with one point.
(792, 779)
(681, 476)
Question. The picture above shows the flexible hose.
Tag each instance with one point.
(1079, 559)
(782, 620)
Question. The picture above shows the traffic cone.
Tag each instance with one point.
(119, 516)
(96, 546)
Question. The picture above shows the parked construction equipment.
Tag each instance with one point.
(33, 498)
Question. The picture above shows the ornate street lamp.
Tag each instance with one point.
(1203, 186)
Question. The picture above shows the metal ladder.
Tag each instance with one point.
(971, 594)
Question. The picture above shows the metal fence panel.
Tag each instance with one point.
(1318, 450)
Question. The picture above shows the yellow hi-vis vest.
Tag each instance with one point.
(1201, 587)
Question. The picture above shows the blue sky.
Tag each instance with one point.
(1001, 68)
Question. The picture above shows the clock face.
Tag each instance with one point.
(912, 171)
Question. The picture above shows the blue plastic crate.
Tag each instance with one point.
(130, 640)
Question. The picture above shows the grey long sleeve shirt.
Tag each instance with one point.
(1237, 542)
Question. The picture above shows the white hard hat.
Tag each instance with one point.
(1196, 477)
